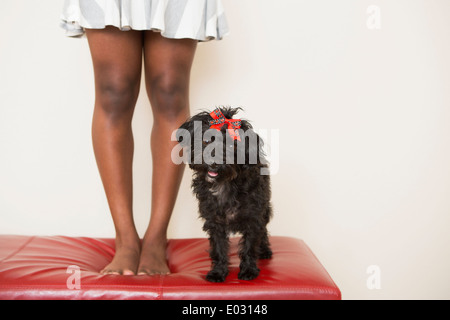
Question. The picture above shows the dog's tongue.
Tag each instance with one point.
(213, 174)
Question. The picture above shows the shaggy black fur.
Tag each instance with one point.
(233, 198)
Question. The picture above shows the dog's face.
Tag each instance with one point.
(214, 154)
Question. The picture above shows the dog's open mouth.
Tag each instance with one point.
(212, 174)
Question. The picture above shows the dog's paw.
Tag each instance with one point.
(216, 276)
(248, 273)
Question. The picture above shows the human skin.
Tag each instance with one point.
(118, 57)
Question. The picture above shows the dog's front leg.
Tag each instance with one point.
(248, 254)
(218, 239)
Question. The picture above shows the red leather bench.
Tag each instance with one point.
(61, 267)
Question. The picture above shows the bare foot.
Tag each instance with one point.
(125, 261)
(153, 257)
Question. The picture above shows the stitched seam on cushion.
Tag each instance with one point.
(18, 250)
(144, 287)
(290, 288)
(61, 286)
(159, 290)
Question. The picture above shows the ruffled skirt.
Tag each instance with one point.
(201, 20)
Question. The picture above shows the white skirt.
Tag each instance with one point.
(201, 20)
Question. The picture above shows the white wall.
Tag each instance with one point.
(363, 115)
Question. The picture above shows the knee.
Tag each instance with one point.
(169, 97)
(117, 96)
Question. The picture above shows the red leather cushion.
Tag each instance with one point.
(37, 268)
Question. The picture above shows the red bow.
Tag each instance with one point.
(220, 120)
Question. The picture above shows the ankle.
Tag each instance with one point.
(128, 240)
(155, 238)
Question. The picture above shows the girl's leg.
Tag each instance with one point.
(117, 61)
(167, 73)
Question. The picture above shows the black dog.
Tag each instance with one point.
(233, 197)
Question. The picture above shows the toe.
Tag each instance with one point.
(108, 271)
(128, 273)
(142, 273)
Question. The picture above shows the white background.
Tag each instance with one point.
(363, 117)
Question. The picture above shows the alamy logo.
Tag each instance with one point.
(74, 280)
(374, 17)
(211, 146)
(374, 279)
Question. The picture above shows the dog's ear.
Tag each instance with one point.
(195, 126)
(254, 148)
(246, 125)
(250, 147)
